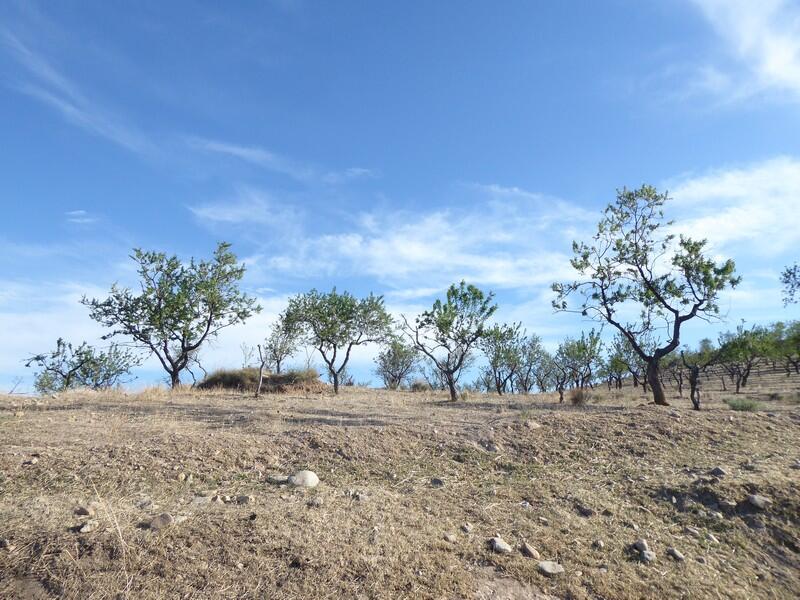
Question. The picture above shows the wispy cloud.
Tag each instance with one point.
(52, 88)
(80, 217)
(277, 163)
(509, 239)
(762, 38)
(755, 205)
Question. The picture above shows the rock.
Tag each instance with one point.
(676, 554)
(598, 544)
(89, 526)
(437, 483)
(277, 479)
(85, 511)
(4, 543)
(648, 556)
(544, 521)
(467, 528)
(304, 478)
(499, 545)
(162, 521)
(315, 502)
(584, 510)
(718, 472)
(692, 530)
(32, 461)
(529, 551)
(758, 502)
(532, 424)
(712, 538)
(450, 538)
(727, 505)
(245, 499)
(181, 476)
(701, 560)
(549, 568)
(641, 545)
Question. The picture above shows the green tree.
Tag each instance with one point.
(790, 278)
(532, 370)
(69, 367)
(741, 350)
(395, 363)
(179, 306)
(282, 341)
(581, 358)
(335, 323)
(631, 264)
(503, 347)
(450, 330)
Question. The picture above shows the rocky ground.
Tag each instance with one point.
(207, 496)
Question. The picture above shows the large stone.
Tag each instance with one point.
(641, 545)
(758, 502)
(162, 521)
(529, 551)
(276, 479)
(550, 568)
(648, 556)
(718, 472)
(89, 526)
(304, 478)
(499, 545)
(676, 554)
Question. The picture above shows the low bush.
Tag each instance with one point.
(246, 380)
(579, 397)
(743, 404)
(419, 385)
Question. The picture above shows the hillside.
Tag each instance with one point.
(401, 474)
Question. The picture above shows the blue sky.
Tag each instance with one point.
(384, 146)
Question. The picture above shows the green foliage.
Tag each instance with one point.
(535, 366)
(281, 343)
(69, 367)
(503, 346)
(581, 358)
(631, 263)
(790, 279)
(743, 404)
(395, 363)
(740, 350)
(179, 307)
(449, 331)
(335, 323)
(246, 379)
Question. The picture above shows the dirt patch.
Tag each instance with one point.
(401, 474)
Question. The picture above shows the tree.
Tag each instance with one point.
(630, 264)
(581, 357)
(503, 347)
(790, 278)
(282, 342)
(69, 367)
(179, 305)
(532, 366)
(335, 323)
(697, 363)
(449, 331)
(395, 363)
(741, 350)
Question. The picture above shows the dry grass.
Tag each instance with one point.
(615, 470)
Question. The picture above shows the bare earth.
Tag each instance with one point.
(524, 468)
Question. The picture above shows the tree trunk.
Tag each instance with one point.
(278, 367)
(335, 376)
(451, 386)
(655, 383)
(175, 379)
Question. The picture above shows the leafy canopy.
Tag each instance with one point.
(179, 306)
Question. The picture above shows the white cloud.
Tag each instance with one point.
(54, 89)
(251, 207)
(763, 36)
(80, 217)
(272, 161)
(757, 205)
(511, 238)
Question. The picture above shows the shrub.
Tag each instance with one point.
(420, 385)
(246, 380)
(579, 397)
(743, 404)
